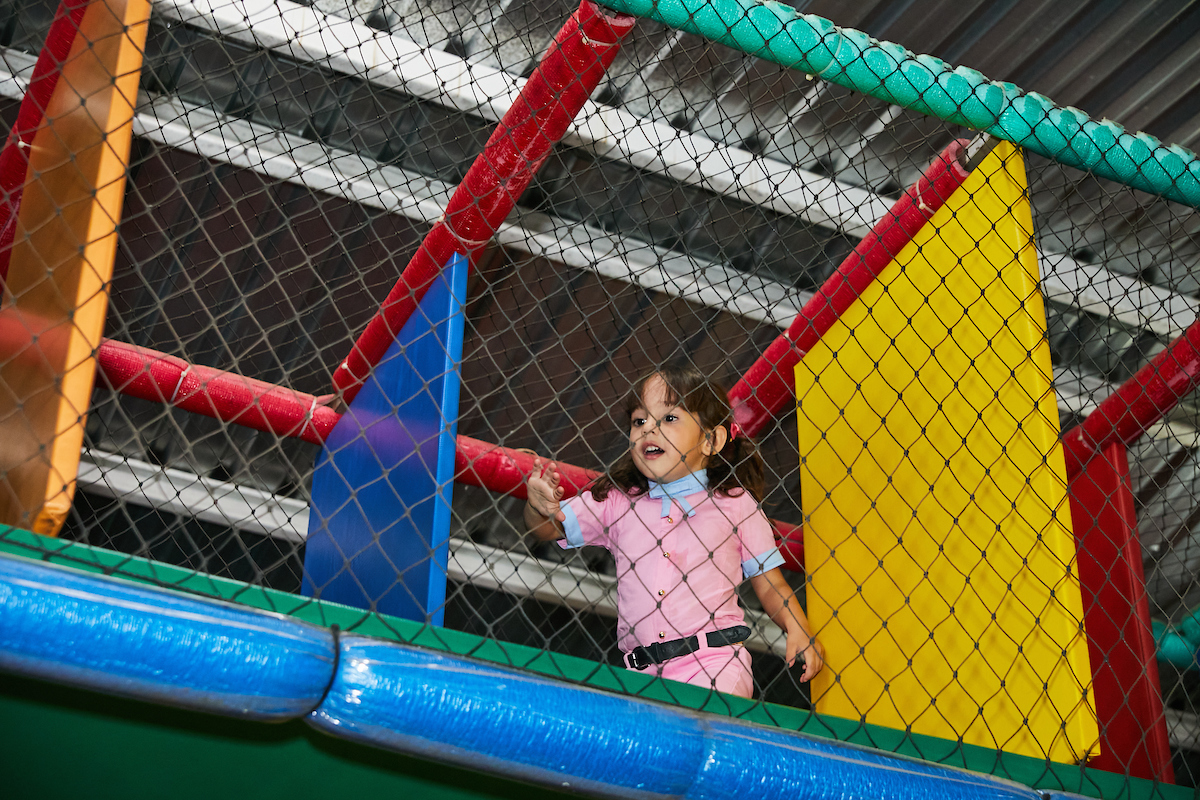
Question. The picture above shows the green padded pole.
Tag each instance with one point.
(959, 95)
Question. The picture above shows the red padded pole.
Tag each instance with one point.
(768, 387)
(14, 158)
(1116, 612)
(1138, 403)
(160, 378)
(504, 470)
(567, 75)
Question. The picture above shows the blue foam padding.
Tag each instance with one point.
(749, 760)
(150, 644)
(112, 636)
(510, 722)
(545, 731)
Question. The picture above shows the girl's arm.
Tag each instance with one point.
(543, 512)
(781, 605)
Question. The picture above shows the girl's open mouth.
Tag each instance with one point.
(652, 450)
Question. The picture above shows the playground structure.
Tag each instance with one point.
(537, 118)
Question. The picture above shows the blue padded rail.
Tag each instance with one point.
(535, 729)
(111, 636)
(148, 644)
(515, 723)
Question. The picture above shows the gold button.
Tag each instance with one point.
(661, 592)
(670, 520)
(662, 634)
(666, 555)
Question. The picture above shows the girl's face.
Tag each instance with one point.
(667, 441)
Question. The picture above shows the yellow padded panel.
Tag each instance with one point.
(61, 262)
(937, 531)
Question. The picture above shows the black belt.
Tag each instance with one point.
(644, 657)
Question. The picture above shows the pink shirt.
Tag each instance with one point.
(677, 574)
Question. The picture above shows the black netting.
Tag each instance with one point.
(276, 189)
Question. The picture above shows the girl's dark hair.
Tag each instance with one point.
(736, 468)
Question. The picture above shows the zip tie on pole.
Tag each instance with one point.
(179, 385)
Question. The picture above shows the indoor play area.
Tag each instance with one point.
(301, 298)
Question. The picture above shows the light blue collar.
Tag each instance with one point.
(677, 490)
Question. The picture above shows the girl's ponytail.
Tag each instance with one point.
(738, 466)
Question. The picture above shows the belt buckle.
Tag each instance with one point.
(639, 658)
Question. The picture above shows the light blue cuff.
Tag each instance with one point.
(574, 533)
(762, 563)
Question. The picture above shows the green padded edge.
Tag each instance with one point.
(1022, 769)
(959, 95)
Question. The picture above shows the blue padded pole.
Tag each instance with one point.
(959, 95)
(553, 733)
(149, 644)
(108, 635)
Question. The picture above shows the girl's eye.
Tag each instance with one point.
(670, 418)
(637, 422)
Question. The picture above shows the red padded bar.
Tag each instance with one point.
(1116, 614)
(1138, 403)
(768, 388)
(570, 71)
(14, 158)
(160, 378)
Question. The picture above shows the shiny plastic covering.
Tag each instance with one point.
(510, 722)
(535, 729)
(103, 634)
(111, 636)
(540, 730)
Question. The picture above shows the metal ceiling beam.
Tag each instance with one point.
(279, 155)
(390, 61)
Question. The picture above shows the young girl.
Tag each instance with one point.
(680, 513)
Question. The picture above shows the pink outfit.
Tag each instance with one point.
(726, 669)
(677, 574)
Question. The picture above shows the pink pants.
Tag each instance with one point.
(726, 669)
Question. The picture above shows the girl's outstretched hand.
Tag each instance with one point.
(801, 643)
(545, 491)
